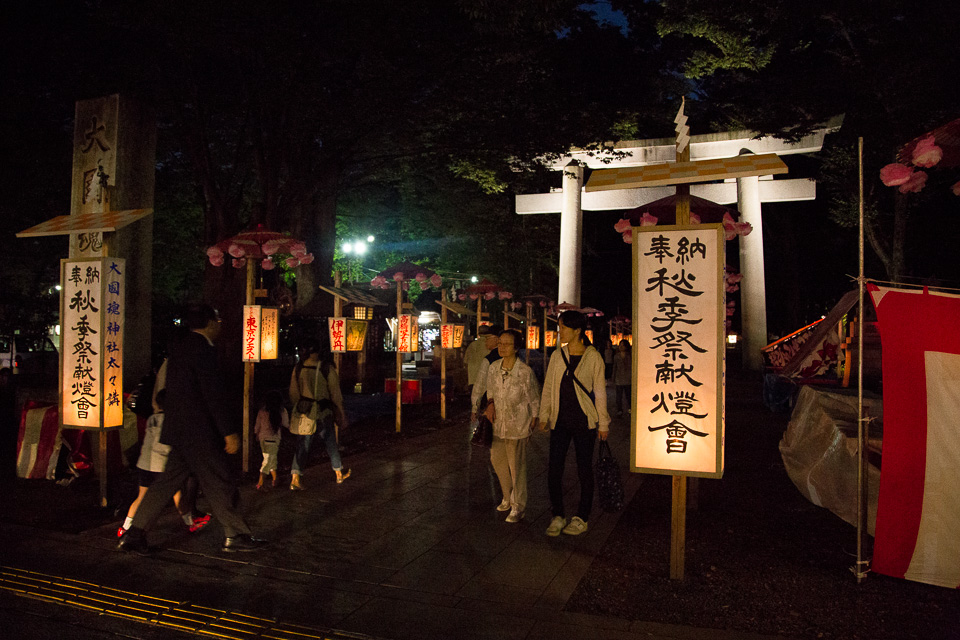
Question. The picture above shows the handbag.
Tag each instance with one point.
(304, 425)
(609, 482)
(482, 432)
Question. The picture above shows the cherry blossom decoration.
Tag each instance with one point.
(261, 244)
(925, 154)
(732, 228)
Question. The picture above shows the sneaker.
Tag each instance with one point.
(199, 522)
(515, 515)
(556, 526)
(504, 506)
(576, 527)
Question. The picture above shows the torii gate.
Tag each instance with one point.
(747, 192)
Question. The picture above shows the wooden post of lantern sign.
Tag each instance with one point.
(92, 309)
(446, 341)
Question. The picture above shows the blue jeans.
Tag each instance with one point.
(325, 430)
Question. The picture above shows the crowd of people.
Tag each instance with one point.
(189, 436)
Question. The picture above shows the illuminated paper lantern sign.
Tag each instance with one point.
(533, 337)
(338, 334)
(356, 334)
(589, 334)
(679, 323)
(92, 309)
(550, 338)
(269, 333)
(407, 334)
(458, 331)
(446, 336)
(251, 333)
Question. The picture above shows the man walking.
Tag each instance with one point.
(200, 434)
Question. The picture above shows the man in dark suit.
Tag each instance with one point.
(200, 434)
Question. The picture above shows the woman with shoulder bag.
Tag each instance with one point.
(315, 394)
(574, 407)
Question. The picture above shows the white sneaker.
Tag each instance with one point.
(576, 527)
(504, 506)
(515, 515)
(556, 526)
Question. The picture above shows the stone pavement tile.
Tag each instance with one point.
(387, 618)
(547, 630)
(448, 517)
(574, 621)
(531, 564)
(480, 595)
(367, 524)
(437, 572)
(484, 538)
(398, 548)
(303, 604)
(558, 592)
(424, 497)
(680, 632)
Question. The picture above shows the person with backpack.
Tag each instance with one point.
(315, 394)
(574, 407)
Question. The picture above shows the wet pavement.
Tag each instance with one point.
(410, 546)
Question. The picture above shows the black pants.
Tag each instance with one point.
(213, 475)
(584, 440)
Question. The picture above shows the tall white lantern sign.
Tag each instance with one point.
(678, 327)
(92, 309)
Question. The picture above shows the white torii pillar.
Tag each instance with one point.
(748, 194)
(571, 234)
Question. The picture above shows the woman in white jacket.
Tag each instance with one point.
(514, 404)
(574, 407)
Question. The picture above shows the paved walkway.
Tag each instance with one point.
(411, 546)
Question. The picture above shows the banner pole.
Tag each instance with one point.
(860, 570)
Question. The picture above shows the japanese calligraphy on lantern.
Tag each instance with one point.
(407, 330)
(550, 338)
(678, 329)
(446, 336)
(533, 337)
(250, 339)
(269, 333)
(92, 311)
(338, 334)
(356, 334)
(458, 330)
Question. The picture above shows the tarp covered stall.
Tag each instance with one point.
(819, 451)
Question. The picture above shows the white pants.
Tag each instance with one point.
(509, 458)
(270, 449)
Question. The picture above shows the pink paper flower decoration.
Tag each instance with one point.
(917, 181)
(926, 154)
(473, 296)
(398, 276)
(214, 252)
(648, 220)
(956, 188)
(217, 261)
(405, 285)
(694, 218)
(543, 303)
(270, 247)
(742, 228)
(298, 249)
(436, 280)
(622, 225)
(420, 277)
(488, 295)
(462, 296)
(379, 280)
(236, 251)
(238, 263)
(292, 262)
(505, 295)
(267, 264)
(731, 308)
(306, 258)
(894, 175)
(734, 278)
(628, 236)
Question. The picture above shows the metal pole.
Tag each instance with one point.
(860, 570)
(443, 358)
(399, 354)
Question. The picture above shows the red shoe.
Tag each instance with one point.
(120, 532)
(199, 522)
